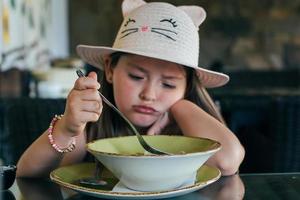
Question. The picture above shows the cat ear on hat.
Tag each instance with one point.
(196, 13)
(130, 5)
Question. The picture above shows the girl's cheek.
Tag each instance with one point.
(170, 99)
(129, 86)
(124, 91)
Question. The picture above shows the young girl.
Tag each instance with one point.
(151, 74)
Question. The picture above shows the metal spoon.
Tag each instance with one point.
(144, 144)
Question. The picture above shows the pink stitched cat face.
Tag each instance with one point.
(163, 26)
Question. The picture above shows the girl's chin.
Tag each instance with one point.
(143, 122)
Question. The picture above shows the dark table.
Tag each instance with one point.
(243, 186)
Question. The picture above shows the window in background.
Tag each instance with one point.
(32, 33)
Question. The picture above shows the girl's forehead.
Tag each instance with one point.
(149, 63)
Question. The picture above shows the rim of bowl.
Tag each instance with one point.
(216, 146)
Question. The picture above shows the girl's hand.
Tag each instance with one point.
(159, 125)
(83, 105)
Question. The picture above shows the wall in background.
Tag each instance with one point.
(32, 32)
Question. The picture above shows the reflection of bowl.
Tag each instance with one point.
(7, 176)
(141, 171)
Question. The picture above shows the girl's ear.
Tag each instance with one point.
(108, 70)
(130, 5)
(196, 13)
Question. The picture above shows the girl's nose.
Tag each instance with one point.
(148, 94)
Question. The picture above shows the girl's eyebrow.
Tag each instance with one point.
(172, 77)
(146, 71)
(138, 67)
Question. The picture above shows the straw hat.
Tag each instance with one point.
(158, 30)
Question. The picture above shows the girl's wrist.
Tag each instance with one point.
(60, 140)
(63, 127)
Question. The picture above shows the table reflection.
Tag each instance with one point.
(34, 189)
(230, 187)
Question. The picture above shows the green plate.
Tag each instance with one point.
(68, 177)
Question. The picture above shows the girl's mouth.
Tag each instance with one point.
(144, 110)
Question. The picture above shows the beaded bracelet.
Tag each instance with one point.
(68, 149)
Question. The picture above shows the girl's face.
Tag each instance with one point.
(145, 88)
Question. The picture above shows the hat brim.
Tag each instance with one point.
(93, 55)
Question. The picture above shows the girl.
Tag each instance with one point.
(151, 74)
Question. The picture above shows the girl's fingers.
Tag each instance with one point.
(76, 103)
(91, 106)
(90, 94)
(89, 82)
(93, 75)
(76, 96)
(83, 104)
(77, 122)
(89, 116)
(85, 100)
(159, 125)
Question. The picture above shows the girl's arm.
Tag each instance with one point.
(194, 121)
(41, 158)
(83, 105)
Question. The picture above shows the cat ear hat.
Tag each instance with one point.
(158, 30)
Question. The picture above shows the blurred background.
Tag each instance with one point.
(256, 42)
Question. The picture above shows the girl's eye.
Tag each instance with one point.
(169, 86)
(135, 77)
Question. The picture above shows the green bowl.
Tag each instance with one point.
(141, 171)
